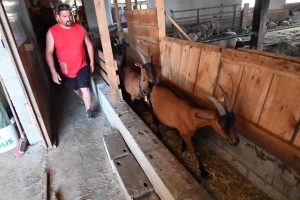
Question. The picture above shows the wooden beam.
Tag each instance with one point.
(135, 5)
(245, 15)
(159, 4)
(128, 5)
(106, 46)
(260, 15)
(178, 27)
(117, 14)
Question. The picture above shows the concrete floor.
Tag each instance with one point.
(77, 169)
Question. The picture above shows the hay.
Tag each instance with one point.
(284, 48)
(225, 182)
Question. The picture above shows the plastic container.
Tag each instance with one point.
(8, 138)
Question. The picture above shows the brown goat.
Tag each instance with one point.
(176, 113)
(136, 83)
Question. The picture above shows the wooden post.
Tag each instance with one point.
(106, 45)
(159, 4)
(135, 5)
(117, 14)
(245, 15)
(128, 5)
(260, 15)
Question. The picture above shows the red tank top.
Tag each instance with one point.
(69, 47)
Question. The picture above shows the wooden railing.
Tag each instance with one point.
(263, 88)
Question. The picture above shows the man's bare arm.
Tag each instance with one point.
(90, 50)
(49, 57)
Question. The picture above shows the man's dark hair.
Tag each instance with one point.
(62, 7)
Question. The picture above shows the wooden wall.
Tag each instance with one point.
(263, 88)
(143, 33)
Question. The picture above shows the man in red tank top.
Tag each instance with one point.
(68, 39)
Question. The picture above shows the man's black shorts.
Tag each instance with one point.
(82, 80)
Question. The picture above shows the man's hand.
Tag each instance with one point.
(92, 67)
(56, 77)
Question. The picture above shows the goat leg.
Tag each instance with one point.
(204, 173)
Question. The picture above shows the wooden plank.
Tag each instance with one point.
(273, 55)
(207, 73)
(106, 46)
(252, 93)
(148, 33)
(128, 5)
(183, 65)
(165, 58)
(161, 23)
(260, 15)
(296, 135)
(117, 15)
(100, 54)
(145, 16)
(275, 65)
(143, 46)
(245, 15)
(175, 62)
(178, 27)
(40, 101)
(192, 68)
(282, 108)
(229, 78)
(102, 73)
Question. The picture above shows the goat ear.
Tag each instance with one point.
(204, 116)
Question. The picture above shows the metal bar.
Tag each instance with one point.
(226, 38)
(206, 8)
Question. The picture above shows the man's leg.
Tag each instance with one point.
(78, 93)
(83, 79)
(87, 97)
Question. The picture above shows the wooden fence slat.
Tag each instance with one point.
(165, 64)
(297, 138)
(276, 65)
(144, 16)
(148, 33)
(175, 61)
(183, 65)
(229, 78)
(207, 72)
(100, 54)
(282, 108)
(192, 69)
(252, 93)
(143, 46)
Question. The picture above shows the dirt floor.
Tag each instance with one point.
(225, 182)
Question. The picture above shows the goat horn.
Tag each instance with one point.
(219, 106)
(141, 55)
(227, 102)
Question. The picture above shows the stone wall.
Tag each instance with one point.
(266, 172)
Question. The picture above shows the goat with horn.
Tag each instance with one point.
(136, 83)
(176, 113)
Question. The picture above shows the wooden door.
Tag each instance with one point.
(28, 68)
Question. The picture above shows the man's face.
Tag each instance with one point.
(65, 18)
